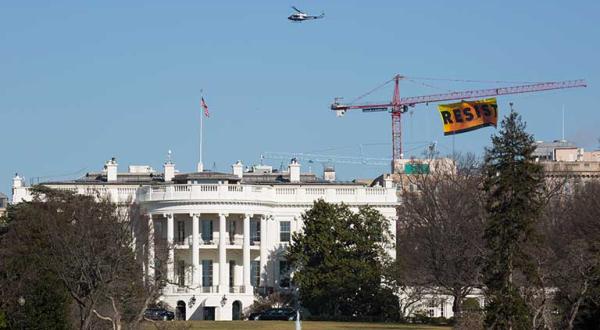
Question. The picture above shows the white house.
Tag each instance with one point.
(228, 231)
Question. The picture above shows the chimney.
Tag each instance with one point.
(388, 182)
(294, 169)
(17, 181)
(111, 170)
(169, 171)
(19, 193)
(238, 169)
(329, 174)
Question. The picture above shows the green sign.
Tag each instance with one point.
(415, 168)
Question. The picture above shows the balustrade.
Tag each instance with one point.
(227, 192)
(209, 289)
(237, 289)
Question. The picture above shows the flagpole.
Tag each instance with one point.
(200, 164)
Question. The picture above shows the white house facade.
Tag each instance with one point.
(227, 233)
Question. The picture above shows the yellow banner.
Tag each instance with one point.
(468, 115)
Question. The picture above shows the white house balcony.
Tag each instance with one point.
(237, 243)
(203, 289)
(209, 289)
(256, 193)
(237, 289)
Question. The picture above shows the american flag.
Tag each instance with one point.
(205, 107)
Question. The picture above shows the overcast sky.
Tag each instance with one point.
(82, 82)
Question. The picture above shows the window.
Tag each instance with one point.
(432, 305)
(284, 274)
(284, 231)
(442, 308)
(231, 272)
(158, 229)
(255, 273)
(207, 231)
(232, 225)
(180, 272)
(254, 231)
(207, 273)
(180, 231)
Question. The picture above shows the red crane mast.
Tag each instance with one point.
(399, 105)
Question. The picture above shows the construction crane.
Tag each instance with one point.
(398, 105)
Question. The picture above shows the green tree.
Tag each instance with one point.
(513, 184)
(33, 297)
(64, 249)
(339, 259)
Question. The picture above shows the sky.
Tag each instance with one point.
(81, 82)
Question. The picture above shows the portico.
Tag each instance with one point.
(200, 240)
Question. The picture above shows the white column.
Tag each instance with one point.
(246, 254)
(223, 266)
(151, 261)
(195, 250)
(263, 250)
(170, 248)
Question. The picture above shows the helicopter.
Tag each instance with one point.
(301, 16)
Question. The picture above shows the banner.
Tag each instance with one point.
(468, 115)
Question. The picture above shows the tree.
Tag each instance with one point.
(572, 236)
(440, 241)
(339, 259)
(513, 185)
(86, 244)
(31, 297)
(409, 296)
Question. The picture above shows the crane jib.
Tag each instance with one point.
(493, 92)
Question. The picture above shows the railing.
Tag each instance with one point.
(181, 289)
(226, 192)
(235, 241)
(315, 191)
(345, 191)
(179, 188)
(285, 191)
(279, 194)
(236, 188)
(209, 289)
(263, 290)
(186, 242)
(183, 241)
(113, 193)
(375, 191)
(237, 289)
(211, 241)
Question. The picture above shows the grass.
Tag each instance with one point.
(283, 325)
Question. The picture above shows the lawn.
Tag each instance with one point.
(283, 325)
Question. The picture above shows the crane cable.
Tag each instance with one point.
(371, 91)
(428, 85)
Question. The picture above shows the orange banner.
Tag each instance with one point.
(468, 115)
